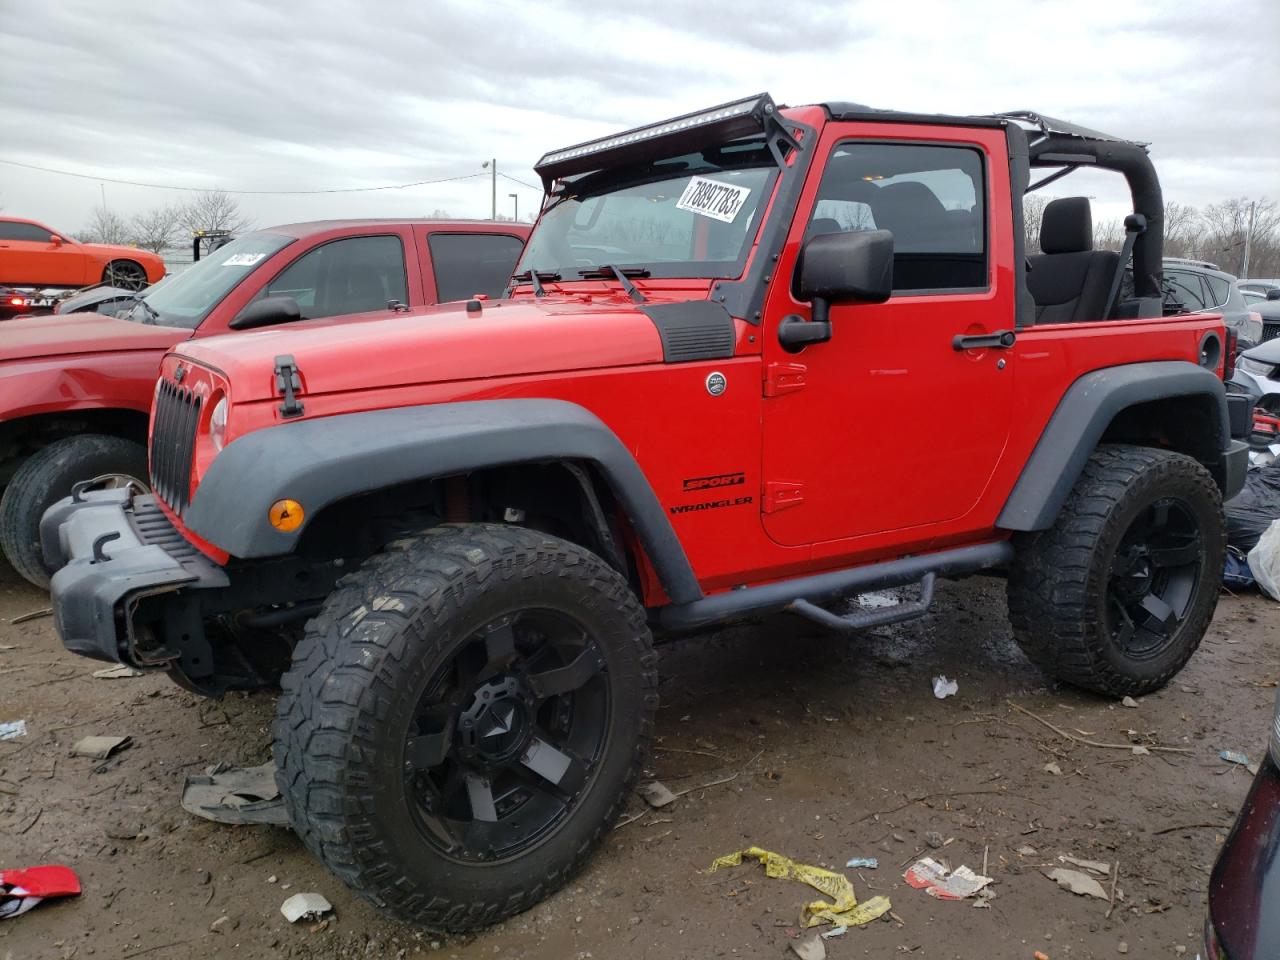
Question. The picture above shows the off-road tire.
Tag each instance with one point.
(125, 274)
(1057, 587)
(356, 676)
(45, 478)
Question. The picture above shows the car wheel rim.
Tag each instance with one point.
(1153, 578)
(127, 276)
(116, 481)
(507, 736)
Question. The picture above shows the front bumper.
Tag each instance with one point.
(111, 550)
(1244, 888)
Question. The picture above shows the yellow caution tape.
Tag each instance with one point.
(844, 911)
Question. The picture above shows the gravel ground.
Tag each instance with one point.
(827, 749)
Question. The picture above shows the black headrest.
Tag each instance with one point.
(1067, 226)
(822, 225)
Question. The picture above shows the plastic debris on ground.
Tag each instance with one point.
(844, 911)
(1236, 574)
(868, 863)
(235, 795)
(1251, 511)
(1096, 866)
(1129, 702)
(1264, 561)
(656, 794)
(1077, 882)
(99, 747)
(936, 880)
(943, 688)
(118, 672)
(20, 890)
(305, 906)
(834, 932)
(1240, 759)
(1053, 768)
(13, 729)
(809, 948)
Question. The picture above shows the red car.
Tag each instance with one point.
(32, 255)
(75, 389)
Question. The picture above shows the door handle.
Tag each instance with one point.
(1000, 340)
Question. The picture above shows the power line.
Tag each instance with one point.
(521, 182)
(168, 186)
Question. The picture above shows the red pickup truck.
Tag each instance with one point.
(75, 390)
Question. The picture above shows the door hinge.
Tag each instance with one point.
(289, 383)
(780, 378)
(780, 494)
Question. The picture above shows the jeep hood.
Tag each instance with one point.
(61, 335)
(435, 344)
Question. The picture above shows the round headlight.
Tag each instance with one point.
(218, 423)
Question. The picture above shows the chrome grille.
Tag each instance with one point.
(173, 441)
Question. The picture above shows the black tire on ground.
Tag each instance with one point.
(125, 274)
(46, 477)
(464, 720)
(1117, 594)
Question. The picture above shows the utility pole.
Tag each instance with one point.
(1248, 240)
(515, 200)
(492, 166)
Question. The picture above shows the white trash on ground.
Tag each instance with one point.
(943, 688)
(1264, 561)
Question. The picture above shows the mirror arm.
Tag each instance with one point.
(795, 332)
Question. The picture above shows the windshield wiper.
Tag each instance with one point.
(608, 270)
(536, 277)
(139, 302)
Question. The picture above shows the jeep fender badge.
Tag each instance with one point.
(716, 383)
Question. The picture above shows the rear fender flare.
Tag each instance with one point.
(1082, 418)
(318, 462)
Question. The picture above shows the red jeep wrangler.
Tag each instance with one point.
(450, 542)
(75, 390)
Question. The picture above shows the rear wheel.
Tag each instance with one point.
(1117, 594)
(125, 274)
(47, 476)
(464, 720)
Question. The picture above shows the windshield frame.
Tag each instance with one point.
(611, 181)
(157, 316)
(792, 144)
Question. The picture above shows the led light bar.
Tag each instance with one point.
(666, 138)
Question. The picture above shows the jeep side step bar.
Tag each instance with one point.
(800, 594)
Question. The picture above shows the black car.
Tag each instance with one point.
(1244, 888)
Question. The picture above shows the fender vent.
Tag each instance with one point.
(697, 330)
(173, 442)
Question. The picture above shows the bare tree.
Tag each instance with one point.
(213, 210)
(1033, 205)
(1229, 221)
(439, 213)
(105, 226)
(157, 228)
(1182, 229)
(1108, 235)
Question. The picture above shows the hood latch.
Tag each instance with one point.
(289, 383)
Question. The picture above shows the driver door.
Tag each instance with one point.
(887, 426)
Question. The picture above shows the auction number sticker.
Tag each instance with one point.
(711, 198)
(243, 259)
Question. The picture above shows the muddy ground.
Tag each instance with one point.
(830, 745)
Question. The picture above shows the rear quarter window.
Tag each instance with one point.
(469, 263)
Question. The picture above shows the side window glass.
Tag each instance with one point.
(1184, 288)
(353, 275)
(1219, 290)
(24, 231)
(469, 263)
(931, 198)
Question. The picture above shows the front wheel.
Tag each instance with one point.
(463, 721)
(47, 476)
(1117, 594)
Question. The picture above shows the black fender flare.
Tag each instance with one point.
(1082, 417)
(318, 462)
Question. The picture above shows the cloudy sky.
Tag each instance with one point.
(292, 96)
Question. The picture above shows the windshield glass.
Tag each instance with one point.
(185, 299)
(688, 216)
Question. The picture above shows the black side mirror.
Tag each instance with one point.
(267, 312)
(1273, 293)
(838, 268)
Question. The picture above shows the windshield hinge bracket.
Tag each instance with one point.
(289, 384)
(780, 378)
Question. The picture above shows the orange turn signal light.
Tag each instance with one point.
(286, 515)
